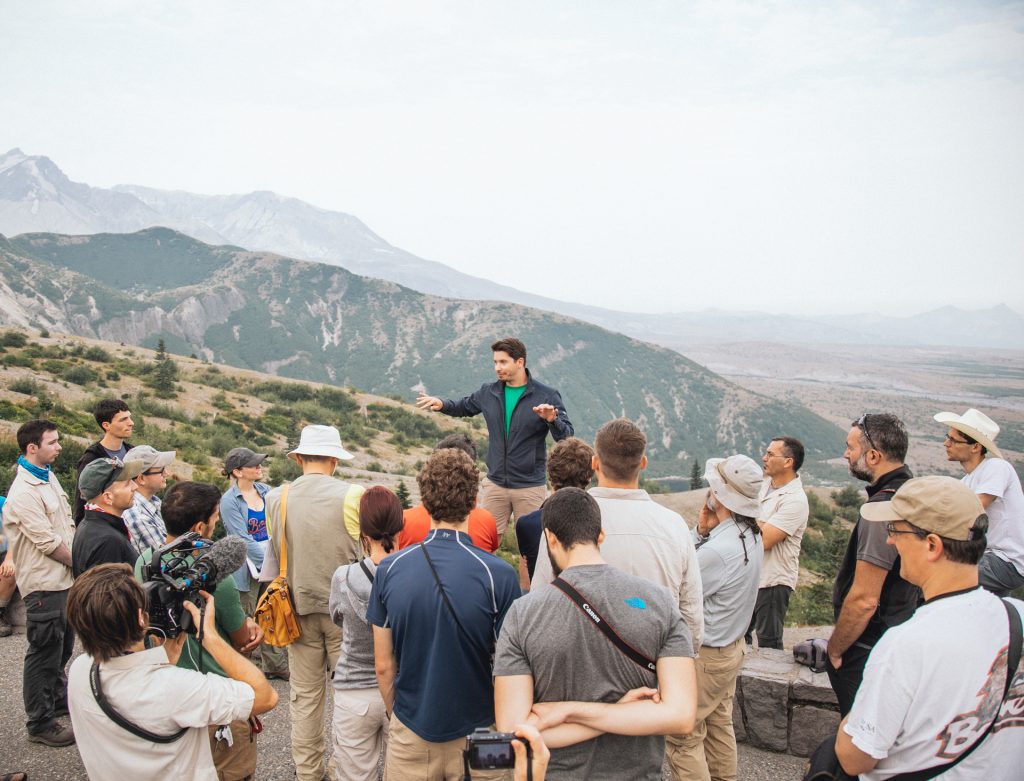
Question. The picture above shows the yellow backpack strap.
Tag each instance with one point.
(355, 493)
(284, 538)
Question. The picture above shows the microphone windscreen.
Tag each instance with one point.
(223, 558)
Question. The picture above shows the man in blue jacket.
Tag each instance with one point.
(519, 412)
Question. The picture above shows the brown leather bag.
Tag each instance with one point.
(275, 611)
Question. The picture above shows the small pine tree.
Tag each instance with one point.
(161, 351)
(403, 495)
(696, 482)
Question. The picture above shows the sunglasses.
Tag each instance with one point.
(862, 424)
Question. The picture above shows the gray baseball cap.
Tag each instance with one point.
(98, 475)
(150, 456)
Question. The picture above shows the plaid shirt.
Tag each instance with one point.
(145, 524)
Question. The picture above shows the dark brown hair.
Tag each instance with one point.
(448, 484)
(513, 347)
(106, 410)
(792, 448)
(620, 446)
(460, 441)
(573, 516)
(569, 464)
(103, 609)
(187, 503)
(31, 433)
(380, 516)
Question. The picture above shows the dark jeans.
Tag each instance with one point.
(50, 642)
(769, 616)
(846, 680)
(998, 576)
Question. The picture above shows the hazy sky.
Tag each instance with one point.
(809, 157)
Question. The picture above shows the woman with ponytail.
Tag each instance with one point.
(360, 719)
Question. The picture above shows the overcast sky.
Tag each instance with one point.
(805, 157)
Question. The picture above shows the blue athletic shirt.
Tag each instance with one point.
(444, 688)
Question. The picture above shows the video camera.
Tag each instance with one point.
(178, 571)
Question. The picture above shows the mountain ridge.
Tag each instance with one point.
(266, 221)
(319, 322)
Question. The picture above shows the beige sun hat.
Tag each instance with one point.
(977, 425)
(736, 482)
(941, 505)
(321, 441)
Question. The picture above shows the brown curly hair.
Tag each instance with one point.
(569, 464)
(448, 484)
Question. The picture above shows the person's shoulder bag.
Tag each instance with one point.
(275, 611)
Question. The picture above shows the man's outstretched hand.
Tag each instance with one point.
(547, 412)
(431, 403)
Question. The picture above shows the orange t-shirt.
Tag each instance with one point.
(482, 528)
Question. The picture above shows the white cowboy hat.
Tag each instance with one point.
(736, 482)
(321, 441)
(977, 425)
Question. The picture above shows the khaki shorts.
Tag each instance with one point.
(411, 758)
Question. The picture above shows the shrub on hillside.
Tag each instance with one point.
(13, 339)
(79, 375)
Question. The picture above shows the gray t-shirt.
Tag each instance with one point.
(545, 635)
(350, 593)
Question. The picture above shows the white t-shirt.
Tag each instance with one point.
(1006, 512)
(161, 698)
(930, 689)
(786, 509)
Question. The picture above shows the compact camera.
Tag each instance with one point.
(486, 750)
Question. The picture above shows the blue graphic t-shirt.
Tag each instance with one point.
(257, 524)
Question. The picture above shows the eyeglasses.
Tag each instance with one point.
(154, 471)
(955, 441)
(891, 530)
(862, 424)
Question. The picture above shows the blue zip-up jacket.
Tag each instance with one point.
(519, 460)
(234, 514)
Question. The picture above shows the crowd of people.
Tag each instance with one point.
(615, 647)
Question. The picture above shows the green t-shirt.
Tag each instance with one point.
(512, 396)
(229, 618)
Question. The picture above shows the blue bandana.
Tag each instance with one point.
(42, 472)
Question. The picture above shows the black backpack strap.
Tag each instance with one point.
(451, 609)
(602, 624)
(1012, 663)
(366, 570)
(121, 721)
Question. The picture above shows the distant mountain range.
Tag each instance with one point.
(320, 322)
(36, 196)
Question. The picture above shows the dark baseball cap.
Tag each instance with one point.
(239, 457)
(98, 475)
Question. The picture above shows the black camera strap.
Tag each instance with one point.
(121, 721)
(1012, 663)
(602, 624)
(366, 570)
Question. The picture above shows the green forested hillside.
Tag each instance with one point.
(319, 322)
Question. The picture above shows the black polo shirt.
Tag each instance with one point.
(101, 538)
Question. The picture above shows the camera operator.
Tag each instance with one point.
(107, 609)
(194, 507)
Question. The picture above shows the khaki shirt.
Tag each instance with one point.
(37, 519)
(321, 512)
(786, 509)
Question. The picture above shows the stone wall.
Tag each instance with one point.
(783, 706)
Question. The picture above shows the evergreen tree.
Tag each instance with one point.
(403, 495)
(165, 372)
(161, 350)
(696, 482)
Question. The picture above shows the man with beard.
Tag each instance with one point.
(869, 595)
